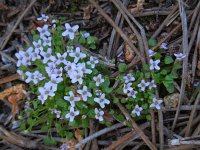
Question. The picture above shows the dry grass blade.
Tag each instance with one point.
(185, 62)
(9, 78)
(120, 32)
(137, 129)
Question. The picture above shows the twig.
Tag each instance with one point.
(113, 33)
(99, 133)
(161, 135)
(119, 31)
(153, 130)
(183, 147)
(127, 136)
(185, 62)
(135, 126)
(157, 32)
(9, 78)
(192, 115)
(17, 23)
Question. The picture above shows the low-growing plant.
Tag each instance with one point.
(71, 87)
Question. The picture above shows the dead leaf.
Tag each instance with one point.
(78, 135)
(87, 12)
(108, 117)
(3, 7)
(128, 52)
(37, 24)
(171, 101)
(13, 95)
(139, 7)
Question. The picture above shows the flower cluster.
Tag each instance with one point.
(47, 67)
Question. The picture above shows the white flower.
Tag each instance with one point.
(76, 76)
(98, 92)
(77, 55)
(180, 56)
(57, 71)
(61, 58)
(51, 86)
(164, 46)
(70, 67)
(102, 100)
(85, 34)
(151, 52)
(54, 23)
(44, 18)
(21, 73)
(43, 31)
(71, 98)
(55, 79)
(98, 79)
(45, 92)
(70, 31)
(57, 112)
(30, 77)
(20, 56)
(38, 45)
(84, 93)
(64, 147)
(72, 114)
(143, 85)
(47, 56)
(129, 77)
(127, 87)
(137, 110)
(34, 77)
(156, 103)
(26, 60)
(152, 85)
(50, 68)
(99, 114)
(132, 93)
(93, 61)
(35, 55)
(82, 67)
(154, 64)
(47, 41)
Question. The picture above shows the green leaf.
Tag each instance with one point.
(177, 66)
(49, 141)
(122, 67)
(148, 117)
(119, 117)
(169, 86)
(164, 72)
(147, 75)
(168, 60)
(116, 100)
(152, 42)
(85, 123)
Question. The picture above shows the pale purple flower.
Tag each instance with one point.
(43, 31)
(30, 77)
(93, 61)
(61, 58)
(77, 55)
(47, 41)
(102, 100)
(57, 112)
(151, 52)
(71, 98)
(35, 55)
(47, 56)
(20, 56)
(152, 85)
(50, 68)
(132, 93)
(85, 34)
(164, 46)
(154, 64)
(58, 71)
(129, 77)
(21, 73)
(45, 92)
(64, 147)
(99, 114)
(70, 67)
(180, 56)
(44, 18)
(98, 79)
(38, 45)
(82, 67)
(76, 76)
(127, 87)
(143, 85)
(137, 110)
(70, 31)
(98, 92)
(156, 103)
(72, 114)
(84, 93)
